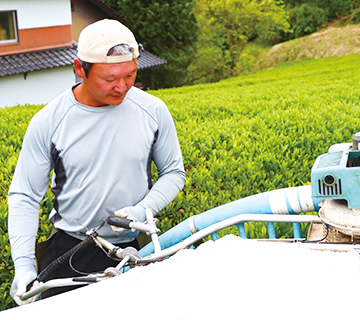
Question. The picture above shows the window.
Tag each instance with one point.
(8, 26)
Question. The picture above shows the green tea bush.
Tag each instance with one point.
(239, 137)
(13, 124)
(259, 132)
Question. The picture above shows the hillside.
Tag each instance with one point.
(329, 42)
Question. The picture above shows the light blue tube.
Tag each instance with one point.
(242, 231)
(297, 230)
(281, 201)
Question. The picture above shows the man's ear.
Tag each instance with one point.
(79, 70)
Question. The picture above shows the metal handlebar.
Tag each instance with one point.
(126, 255)
(148, 227)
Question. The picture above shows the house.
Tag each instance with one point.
(38, 46)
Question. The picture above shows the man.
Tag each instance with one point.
(99, 138)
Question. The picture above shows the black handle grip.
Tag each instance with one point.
(28, 287)
(119, 222)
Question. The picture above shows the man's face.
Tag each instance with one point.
(107, 84)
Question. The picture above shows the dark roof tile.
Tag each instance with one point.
(148, 60)
(47, 59)
(36, 60)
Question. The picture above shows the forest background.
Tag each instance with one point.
(205, 41)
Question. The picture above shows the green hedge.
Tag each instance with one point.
(239, 137)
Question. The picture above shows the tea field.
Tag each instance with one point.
(239, 137)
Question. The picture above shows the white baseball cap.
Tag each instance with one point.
(98, 38)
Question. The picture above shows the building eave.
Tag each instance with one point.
(36, 60)
(24, 62)
(105, 8)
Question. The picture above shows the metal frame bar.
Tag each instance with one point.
(239, 219)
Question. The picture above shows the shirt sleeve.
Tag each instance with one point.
(28, 186)
(168, 159)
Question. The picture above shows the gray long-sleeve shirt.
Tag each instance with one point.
(101, 159)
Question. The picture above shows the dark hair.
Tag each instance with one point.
(86, 66)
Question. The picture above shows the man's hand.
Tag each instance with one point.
(136, 213)
(25, 273)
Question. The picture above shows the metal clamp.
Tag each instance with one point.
(193, 229)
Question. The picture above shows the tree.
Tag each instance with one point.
(167, 28)
(308, 16)
(226, 28)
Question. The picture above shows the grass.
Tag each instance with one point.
(329, 42)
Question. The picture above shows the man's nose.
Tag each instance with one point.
(120, 85)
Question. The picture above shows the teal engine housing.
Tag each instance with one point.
(336, 175)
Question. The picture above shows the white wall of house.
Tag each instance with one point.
(39, 87)
(35, 13)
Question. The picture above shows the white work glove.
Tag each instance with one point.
(135, 213)
(25, 272)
